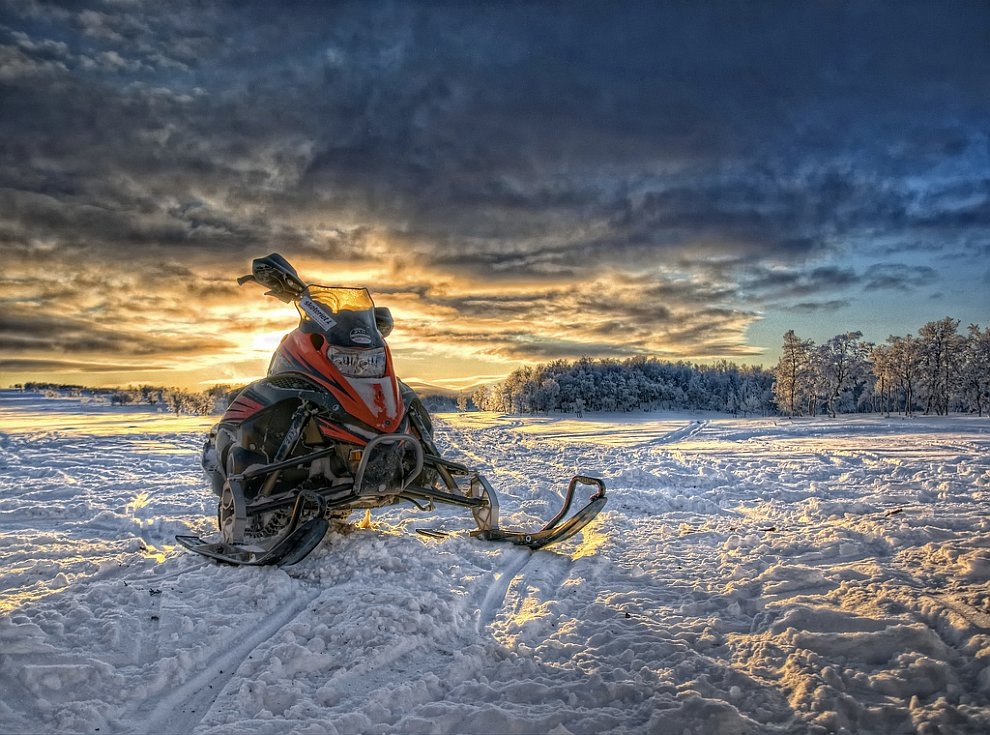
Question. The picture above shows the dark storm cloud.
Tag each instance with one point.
(481, 124)
(748, 148)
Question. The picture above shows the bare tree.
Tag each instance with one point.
(791, 376)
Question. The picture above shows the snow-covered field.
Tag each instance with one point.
(747, 576)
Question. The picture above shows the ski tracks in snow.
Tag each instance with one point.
(525, 603)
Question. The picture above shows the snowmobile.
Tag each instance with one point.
(331, 430)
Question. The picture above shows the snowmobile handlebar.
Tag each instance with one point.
(277, 275)
(283, 282)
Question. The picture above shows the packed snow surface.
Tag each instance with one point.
(747, 576)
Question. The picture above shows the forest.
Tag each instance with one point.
(635, 384)
(936, 372)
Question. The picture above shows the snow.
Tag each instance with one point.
(747, 576)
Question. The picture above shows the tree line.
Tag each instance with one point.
(174, 400)
(935, 372)
(639, 383)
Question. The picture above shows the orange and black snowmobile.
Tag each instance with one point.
(331, 429)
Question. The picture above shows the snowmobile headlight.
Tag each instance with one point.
(358, 363)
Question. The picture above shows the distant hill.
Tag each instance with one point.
(425, 388)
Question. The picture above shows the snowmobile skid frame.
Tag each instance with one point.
(300, 537)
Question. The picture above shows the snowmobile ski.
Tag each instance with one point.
(291, 549)
(547, 536)
(556, 530)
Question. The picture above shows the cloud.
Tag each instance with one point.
(900, 277)
(814, 307)
(28, 365)
(26, 333)
(579, 179)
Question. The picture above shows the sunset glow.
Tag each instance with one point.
(685, 183)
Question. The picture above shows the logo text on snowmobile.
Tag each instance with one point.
(317, 313)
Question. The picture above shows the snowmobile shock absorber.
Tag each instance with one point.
(289, 441)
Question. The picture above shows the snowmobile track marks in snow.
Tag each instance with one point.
(685, 432)
(182, 709)
(532, 599)
(516, 559)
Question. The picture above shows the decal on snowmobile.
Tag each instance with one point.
(331, 430)
(357, 396)
(243, 407)
(349, 435)
(316, 312)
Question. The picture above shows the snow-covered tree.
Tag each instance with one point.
(976, 368)
(841, 367)
(905, 363)
(941, 357)
(882, 368)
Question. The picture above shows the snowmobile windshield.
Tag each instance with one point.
(344, 316)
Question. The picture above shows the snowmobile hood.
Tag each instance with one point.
(362, 380)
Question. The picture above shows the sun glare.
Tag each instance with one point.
(264, 343)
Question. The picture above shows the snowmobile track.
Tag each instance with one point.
(516, 560)
(685, 432)
(182, 709)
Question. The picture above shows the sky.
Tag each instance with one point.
(518, 182)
